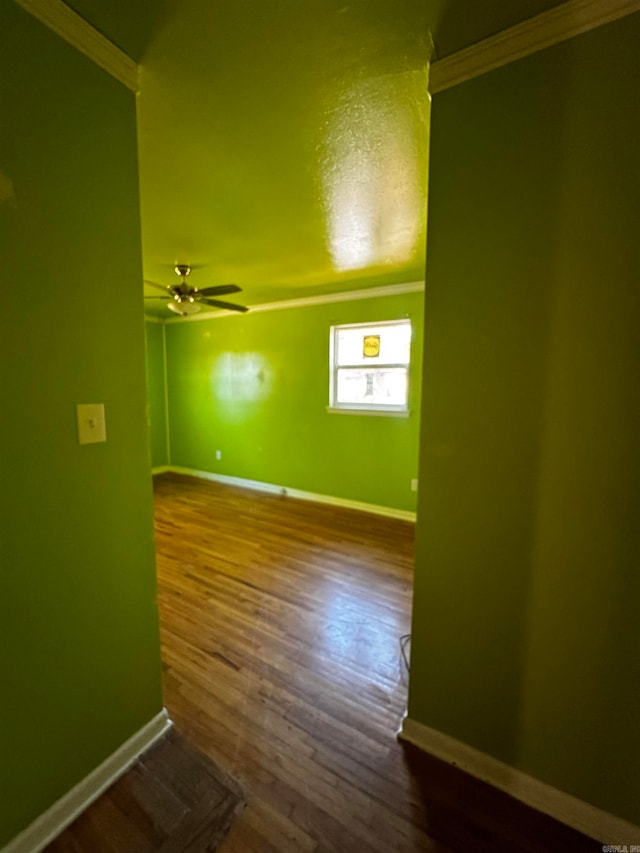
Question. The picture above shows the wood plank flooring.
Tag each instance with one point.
(281, 621)
(174, 800)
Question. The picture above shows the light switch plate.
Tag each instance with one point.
(91, 425)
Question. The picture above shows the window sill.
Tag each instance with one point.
(385, 413)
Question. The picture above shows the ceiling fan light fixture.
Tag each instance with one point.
(184, 308)
(184, 299)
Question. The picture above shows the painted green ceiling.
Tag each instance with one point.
(284, 148)
(283, 144)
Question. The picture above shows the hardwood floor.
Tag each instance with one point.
(173, 799)
(281, 623)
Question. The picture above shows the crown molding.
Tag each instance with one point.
(552, 27)
(66, 23)
(307, 301)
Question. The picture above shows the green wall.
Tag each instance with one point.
(527, 591)
(256, 386)
(156, 394)
(80, 652)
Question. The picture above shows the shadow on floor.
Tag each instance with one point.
(472, 816)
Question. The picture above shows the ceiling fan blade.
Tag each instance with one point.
(228, 305)
(158, 297)
(219, 290)
(159, 286)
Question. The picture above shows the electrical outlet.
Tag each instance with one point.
(218, 455)
(414, 485)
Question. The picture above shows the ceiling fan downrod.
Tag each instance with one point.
(186, 295)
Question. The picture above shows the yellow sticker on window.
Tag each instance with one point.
(371, 346)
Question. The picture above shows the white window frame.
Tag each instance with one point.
(365, 408)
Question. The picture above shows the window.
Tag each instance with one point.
(370, 367)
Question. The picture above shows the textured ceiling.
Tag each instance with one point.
(285, 147)
(283, 144)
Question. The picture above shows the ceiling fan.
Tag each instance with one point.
(184, 299)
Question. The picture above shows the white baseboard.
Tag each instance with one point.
(63, 812)
(258, 485)
(590, 820)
